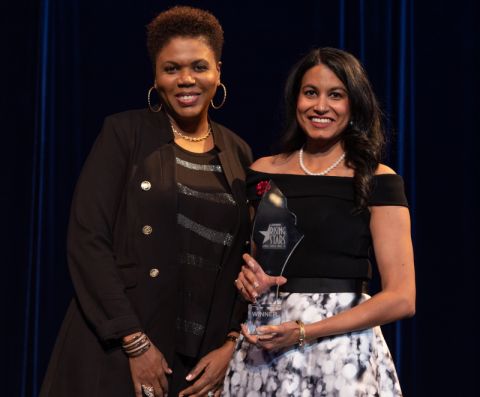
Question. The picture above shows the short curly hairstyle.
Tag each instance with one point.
(184, 21)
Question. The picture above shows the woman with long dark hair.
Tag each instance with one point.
(351, 209)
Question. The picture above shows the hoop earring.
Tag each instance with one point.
(152, 109)
(224, 98)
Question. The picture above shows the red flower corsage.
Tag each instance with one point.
(262, 187)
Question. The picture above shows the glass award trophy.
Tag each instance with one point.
(274, 238)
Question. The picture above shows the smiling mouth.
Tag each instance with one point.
(187, 99)
(321, 120)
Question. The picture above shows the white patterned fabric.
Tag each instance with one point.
(349, 365)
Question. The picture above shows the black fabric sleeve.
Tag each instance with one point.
(388, 189)
(239, 314)
(97, 197)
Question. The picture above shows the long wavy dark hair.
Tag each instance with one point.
(363, 138)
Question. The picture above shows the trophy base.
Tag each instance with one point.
(263, 314)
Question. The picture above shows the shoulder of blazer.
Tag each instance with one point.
(153, 129)
(142, 119)
(140, 127)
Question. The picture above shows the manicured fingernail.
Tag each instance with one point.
(189, 376)
(255, 285)
(251, 264)
(255, 294)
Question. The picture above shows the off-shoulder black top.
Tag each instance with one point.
(337, 242)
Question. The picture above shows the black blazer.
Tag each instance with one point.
(126, 280)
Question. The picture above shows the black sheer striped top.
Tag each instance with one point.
(206, 213)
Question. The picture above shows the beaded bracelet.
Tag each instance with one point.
(232, 338)
(140, 351)
(136, 346)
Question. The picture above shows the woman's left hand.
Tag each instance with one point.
(209, 372)
(274, 337)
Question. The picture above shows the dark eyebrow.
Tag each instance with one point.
(170, 63)
(331, 89)
(338, 88)
(192, 63)
(309, 86)
(196, 62)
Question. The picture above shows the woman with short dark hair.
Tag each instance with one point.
(157, 229)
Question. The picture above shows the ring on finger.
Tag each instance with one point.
(148, 391)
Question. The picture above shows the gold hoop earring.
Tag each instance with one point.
(152, 109)
(224, 98)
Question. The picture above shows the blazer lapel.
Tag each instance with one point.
(228, 162)
(235, 175)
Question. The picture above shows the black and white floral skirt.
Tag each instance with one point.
(349, 365)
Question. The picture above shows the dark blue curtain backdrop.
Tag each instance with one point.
(66, 64)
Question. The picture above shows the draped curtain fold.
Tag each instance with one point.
(90, 61)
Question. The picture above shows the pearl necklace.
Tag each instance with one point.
(308, 172)
(191, 138)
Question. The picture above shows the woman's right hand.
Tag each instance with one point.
(150, 369)
(252, 281)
